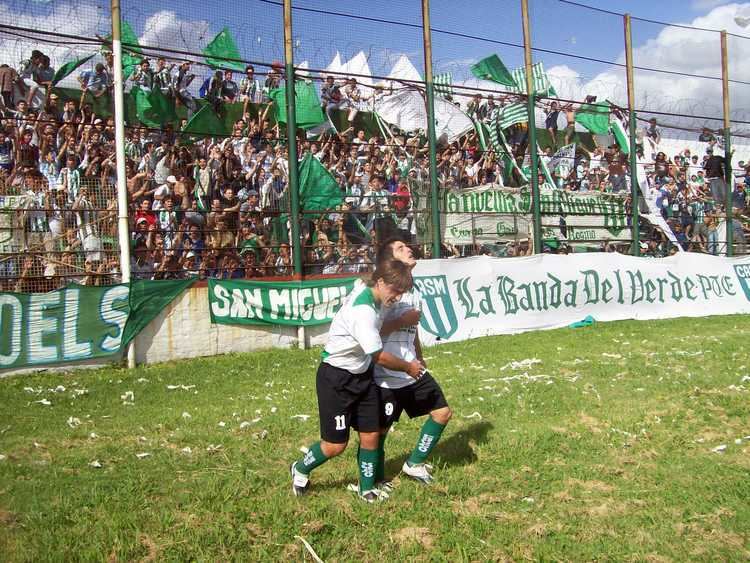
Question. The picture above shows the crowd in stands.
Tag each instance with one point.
(218, 207)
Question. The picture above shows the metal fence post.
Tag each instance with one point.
(531, 98)
(123, 230)
(431, 139)
(634, 188)
(291, 134)
(728, 174)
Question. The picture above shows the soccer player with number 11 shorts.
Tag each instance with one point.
(347, 395)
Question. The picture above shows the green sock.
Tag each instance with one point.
(380, 469)
(312, 459)
(429, 436)
(367, 461)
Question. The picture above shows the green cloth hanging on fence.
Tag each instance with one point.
(492, 68)
(147, 300)
(68, 68)
(220, 52)
(594, 117)
(309, 114)
(318, 189)
(205, 122)
(153, 108)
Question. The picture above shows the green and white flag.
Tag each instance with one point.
(621, 136)
(541, 84)
(502, 150)
(443, 84)
(512, 114)
(563, 160)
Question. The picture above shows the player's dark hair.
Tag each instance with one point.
(385, 249)
(394, 273)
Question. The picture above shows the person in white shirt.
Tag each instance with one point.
(347, 395)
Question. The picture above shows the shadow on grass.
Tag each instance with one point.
(456, 449)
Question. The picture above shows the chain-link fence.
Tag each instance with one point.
(207, 151)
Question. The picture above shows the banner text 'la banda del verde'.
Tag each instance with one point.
(482, 296)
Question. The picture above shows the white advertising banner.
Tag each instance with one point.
(482, 296)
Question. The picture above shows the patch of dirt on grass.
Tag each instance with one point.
(541, 530)
(591, 486)
(422, 536)
(151, 548)
(7, 518)
(292, 552)
(607, 509)
(656, 558)
(314, 526)
(593, 424)
(563, 496)
(474, 505)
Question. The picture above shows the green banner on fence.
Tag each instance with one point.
(79, 322)
(277, 303)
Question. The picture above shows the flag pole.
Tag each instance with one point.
(728, 175)
(531, 97)
(634, 193)
(123, 230)
(431, 139)
(291, 134)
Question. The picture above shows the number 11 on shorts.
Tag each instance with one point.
(340, 422)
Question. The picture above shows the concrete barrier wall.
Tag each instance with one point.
(184, 330)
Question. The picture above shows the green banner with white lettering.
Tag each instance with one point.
(78, 322)
(305, 303)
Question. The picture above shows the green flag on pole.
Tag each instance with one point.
(132, 54)
(492, 68)
(68, 68)
(309, 113)
(594, 117)
(220, 52)
(318, 189)
(206, 122)
(618, 130)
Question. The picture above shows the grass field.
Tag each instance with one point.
(605, 449)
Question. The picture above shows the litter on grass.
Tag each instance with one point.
(521, 364)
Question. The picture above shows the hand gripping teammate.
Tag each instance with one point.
(400, 391)
(347, 395)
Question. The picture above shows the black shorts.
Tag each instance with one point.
(418, 399)
(346, 400)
